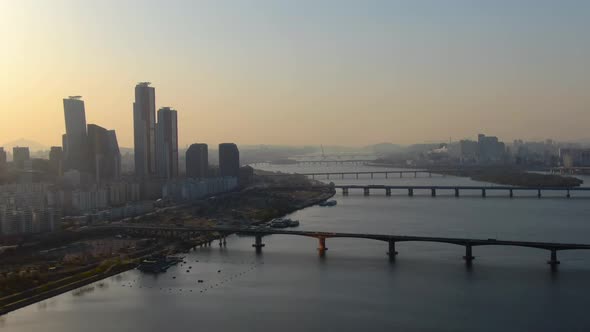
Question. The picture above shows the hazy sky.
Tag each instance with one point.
(301, 72)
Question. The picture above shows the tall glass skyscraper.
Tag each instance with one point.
(144, 130)
(167, 143)
(76, 137)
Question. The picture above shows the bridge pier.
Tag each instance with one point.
(258, 244)
(429, 174)
(553, 262)
(483, 193)
(387, 191)
(357, 176)
(328, 176)
(372, 175)
(539, 193)
(411, 192)
(322, 246)
(386, 175)
(344, 191)
(391, 252)
(456, 192)
(415, 174)
(433, 192)
(468, 255)
(401, 174)
(366, 191)
(511, 193)
(342, 176)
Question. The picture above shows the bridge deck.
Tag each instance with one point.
(380, 237)
(356, 186)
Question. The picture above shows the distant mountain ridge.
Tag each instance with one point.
(23, 142)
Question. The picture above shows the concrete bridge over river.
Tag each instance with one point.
(259, 232)
(434, 190)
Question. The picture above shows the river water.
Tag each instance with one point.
(354, 287)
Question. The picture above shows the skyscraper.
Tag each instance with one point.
(2, 158)
(64, 145)
(20, 155)
(197, 161)
(76, 136)
(229, 160)
(104, 153)
(167, 143)
(56, 160)
(144, 129)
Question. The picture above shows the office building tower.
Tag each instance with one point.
(490, 149)
(64, 145)
(197, 161)
(76, 136)
(20, 155)
(2, 158)
(167, 143)
(229, 160)
(56, 160)
(104, 153)
(144, 129)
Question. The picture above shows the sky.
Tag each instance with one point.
(303, 72)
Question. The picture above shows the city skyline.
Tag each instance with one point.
(516, 70)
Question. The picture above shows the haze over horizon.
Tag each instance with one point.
(280, 73)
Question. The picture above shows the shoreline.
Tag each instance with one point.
(22, 301)
(499, 175)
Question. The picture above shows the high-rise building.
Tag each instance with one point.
(104, 153)
(20, 155)
(167, 143)
(115, 153)
(144, 129)
(56, 160)
(2, 158)
(76, 136)
(229, 160)
(64, 145)
(490, 149)
(197, 161)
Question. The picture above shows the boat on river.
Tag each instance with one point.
(331, 202)
(158, 264)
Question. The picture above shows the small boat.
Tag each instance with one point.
(158, 264)
(331, 202)
(279, 223)
(293, 223)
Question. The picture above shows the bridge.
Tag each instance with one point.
(386, 174)
(570, 170)
(259, 233)
(318, 162)
(457, 189)
(334, 161)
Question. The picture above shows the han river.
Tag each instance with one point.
(354, 287)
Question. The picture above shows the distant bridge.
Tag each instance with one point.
(457, 189)
(319, 162)
(385, 174)
(258, 233)
(570, 170)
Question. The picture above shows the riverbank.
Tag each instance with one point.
(248, 207)
(504, 175)
(514, 177)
